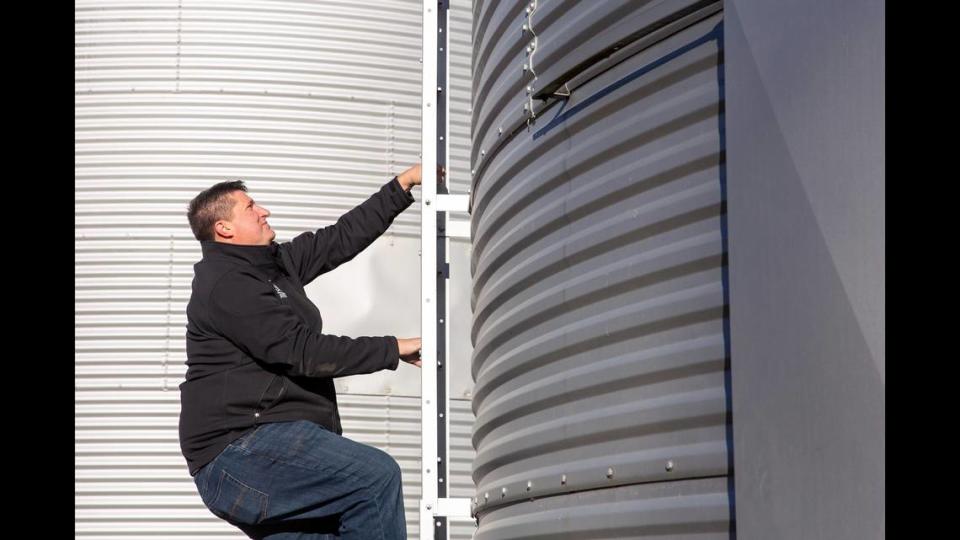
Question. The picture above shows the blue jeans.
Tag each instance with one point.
(298, 480)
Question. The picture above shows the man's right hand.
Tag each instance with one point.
(409, 350)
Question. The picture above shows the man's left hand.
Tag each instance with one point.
(414, 176)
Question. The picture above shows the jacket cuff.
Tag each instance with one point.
(402, 197)
(393, 348)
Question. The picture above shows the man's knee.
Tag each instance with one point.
(386, 469)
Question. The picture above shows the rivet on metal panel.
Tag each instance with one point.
(669, 466)
(427, 202)
(500, 130)
(528, 11)
(440, 480)
(441, 414)
(609, 472)
(524, 27)
(563, 480)
(486, 496)
(439, 89)
(503, 492)
(529, 485)
(428, 471)
(441, 321)
(438, 524)
(429, 507)
(441, 137)
(420, 60)
(526, 67)
(439, 459)
(483, 152)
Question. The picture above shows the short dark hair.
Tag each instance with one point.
(212, 204)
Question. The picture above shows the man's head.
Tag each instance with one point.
(225, 213)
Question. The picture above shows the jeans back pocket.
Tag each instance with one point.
(237, 502)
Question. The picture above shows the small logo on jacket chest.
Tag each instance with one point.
(280, 293)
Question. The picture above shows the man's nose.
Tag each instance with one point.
(263, 211)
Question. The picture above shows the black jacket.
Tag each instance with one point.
(255, 351)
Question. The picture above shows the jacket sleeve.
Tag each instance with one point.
(313, 254)
(246, 311)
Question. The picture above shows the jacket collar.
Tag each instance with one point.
(255, 255)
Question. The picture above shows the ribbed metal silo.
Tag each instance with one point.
(315, 105)
(600, 358)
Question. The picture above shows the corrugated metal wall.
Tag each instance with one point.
(599, 308)
(315, 105)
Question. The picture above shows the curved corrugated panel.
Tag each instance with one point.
(315, 105)
(599, 347)
(688, 509)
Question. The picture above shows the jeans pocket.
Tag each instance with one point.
(237, 502)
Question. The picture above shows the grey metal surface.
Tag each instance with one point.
(528, 51)
(315, 105)
(805, 129)
(599, 350)
(683, 510)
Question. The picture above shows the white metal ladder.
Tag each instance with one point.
(435, 231)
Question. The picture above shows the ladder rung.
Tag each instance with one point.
(458, 228)
(452, 203)
(451, 507)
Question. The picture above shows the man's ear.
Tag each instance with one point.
(223, 229)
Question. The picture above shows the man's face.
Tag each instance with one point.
(248, 224)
